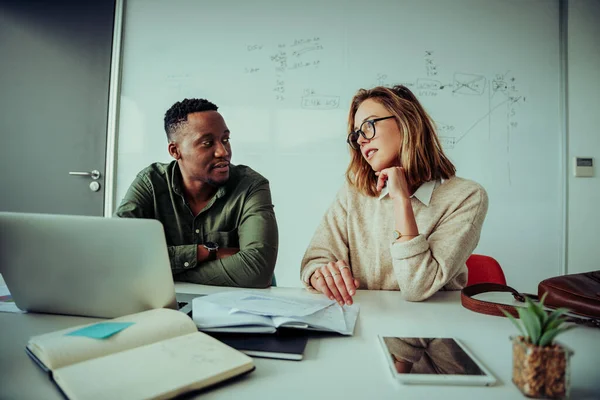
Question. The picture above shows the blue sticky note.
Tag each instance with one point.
(101, 330)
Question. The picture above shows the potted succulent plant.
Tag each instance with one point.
(540, 366)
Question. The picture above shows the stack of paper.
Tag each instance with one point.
(6, 302)
(242, 311)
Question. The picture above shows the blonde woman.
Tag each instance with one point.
(402, 220)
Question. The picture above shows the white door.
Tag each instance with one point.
(54, 84)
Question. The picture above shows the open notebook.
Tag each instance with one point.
(154, 354)
(252, 312)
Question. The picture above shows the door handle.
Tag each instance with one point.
(95, 174)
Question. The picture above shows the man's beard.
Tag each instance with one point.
(218, 183)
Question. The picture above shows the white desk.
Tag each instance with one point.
(337, 366)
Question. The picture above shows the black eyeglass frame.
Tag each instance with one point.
(360, 132)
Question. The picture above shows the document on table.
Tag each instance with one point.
(255, 312)
(268, 305)
(335, 318)
(6, 302)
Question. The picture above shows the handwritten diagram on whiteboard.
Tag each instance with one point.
(500, 91)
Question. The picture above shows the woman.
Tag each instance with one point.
(403, 220)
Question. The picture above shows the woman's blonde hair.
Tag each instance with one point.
(421, 154)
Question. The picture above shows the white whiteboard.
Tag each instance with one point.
(283, 74)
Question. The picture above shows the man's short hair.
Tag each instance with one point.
(177, 114)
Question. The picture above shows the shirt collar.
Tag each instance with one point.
(176, 178)
(423, 193)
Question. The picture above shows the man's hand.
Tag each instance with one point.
(222, 252)
(227, 252)
(335, 281)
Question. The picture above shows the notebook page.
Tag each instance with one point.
(56, 350)
(158, 371)
(208, 315)
(333, 318)
(270, 304)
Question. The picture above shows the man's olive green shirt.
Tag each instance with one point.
(240, 215)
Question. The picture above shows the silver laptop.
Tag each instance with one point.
(89, 266)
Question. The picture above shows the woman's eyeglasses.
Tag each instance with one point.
(366, 130)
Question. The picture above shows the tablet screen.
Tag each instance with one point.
(440, 356)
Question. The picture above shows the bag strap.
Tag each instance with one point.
(491, 308)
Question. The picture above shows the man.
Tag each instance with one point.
(218, 218)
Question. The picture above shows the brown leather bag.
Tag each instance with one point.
(580, 293)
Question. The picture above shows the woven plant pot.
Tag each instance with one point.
(541, 372)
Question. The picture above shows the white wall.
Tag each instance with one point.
(583, 116)
(583, 250)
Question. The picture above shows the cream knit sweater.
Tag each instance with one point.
(358, 229)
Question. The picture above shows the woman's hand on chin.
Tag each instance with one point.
(396, 182)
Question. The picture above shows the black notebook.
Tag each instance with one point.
(284, 345)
